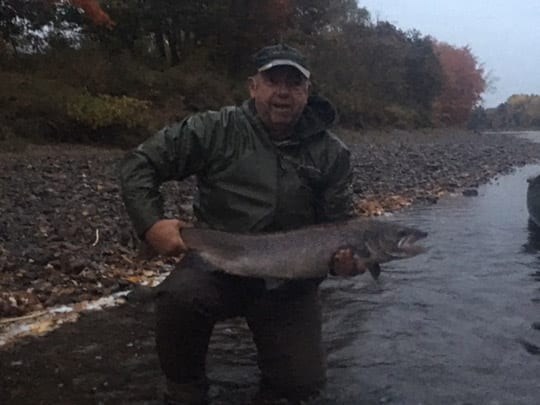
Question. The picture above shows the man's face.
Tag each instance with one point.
(280, 95)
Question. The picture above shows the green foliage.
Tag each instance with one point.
(378, 75)
(520, 111)
(42, 109)
(164, 59)
(104, 111)
(26, 95)
(477, 119)
(401, 117)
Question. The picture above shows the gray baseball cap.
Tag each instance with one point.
(280, 55)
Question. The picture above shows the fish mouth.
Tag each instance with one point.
(407, 245)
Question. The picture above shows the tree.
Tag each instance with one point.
(22, 22)
(19, 19)
(423, 74)
(462, 87)
(93, 10)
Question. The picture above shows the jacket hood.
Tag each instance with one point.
(318, 115)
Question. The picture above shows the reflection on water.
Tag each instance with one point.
(451, 326)
(533, 247)
(533, 240)
(456, 325)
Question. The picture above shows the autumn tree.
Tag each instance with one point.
(519, 111)
(93, 11)
(462, 87)
(379, 75)
(181, 56)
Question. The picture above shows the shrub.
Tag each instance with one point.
(106, 111)
(399, 116)
(41, 109)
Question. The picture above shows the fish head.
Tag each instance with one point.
(387, 241)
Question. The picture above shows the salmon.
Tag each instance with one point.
(306, 252)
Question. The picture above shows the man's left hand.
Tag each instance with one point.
(345, 263)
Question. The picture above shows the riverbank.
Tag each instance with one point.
(398, 168)
(64, 238)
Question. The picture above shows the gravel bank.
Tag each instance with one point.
(64, 235)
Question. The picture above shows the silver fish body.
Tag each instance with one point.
(306, 252)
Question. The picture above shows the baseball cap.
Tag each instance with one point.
(280, 55)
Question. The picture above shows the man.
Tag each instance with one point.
(267, 165)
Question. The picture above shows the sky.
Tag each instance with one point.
(503, 35)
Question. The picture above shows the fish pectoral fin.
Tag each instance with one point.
(370, 248)
(364, 265)
(374, 270)
(382, 255)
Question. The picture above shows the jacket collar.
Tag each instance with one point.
(318, 115)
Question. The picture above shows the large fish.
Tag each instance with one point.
(306, 252)
(298, 254)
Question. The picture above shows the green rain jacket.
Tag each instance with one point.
(245, 181)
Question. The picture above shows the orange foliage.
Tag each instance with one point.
(93, 10)
(463, 84)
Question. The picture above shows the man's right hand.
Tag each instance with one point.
(164, 237)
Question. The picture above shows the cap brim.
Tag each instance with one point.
(285, 62)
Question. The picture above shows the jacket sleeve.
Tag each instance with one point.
(173, 153)
(336, 198)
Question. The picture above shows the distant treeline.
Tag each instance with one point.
(520, 111)
(82, 69)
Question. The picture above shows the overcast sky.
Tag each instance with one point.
(503, 35)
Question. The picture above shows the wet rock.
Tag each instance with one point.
(17, 303)
(72, 264)
(470, 192)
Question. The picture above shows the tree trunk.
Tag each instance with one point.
(160, 43)
(173, 47)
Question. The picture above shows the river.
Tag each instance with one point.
(451, 326)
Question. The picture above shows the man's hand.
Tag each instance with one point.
(345, 263)
(164, 237)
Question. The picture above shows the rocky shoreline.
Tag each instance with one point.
(65, 237)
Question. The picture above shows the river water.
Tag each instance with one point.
(451, 326)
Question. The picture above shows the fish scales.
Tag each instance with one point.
(305, 252)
